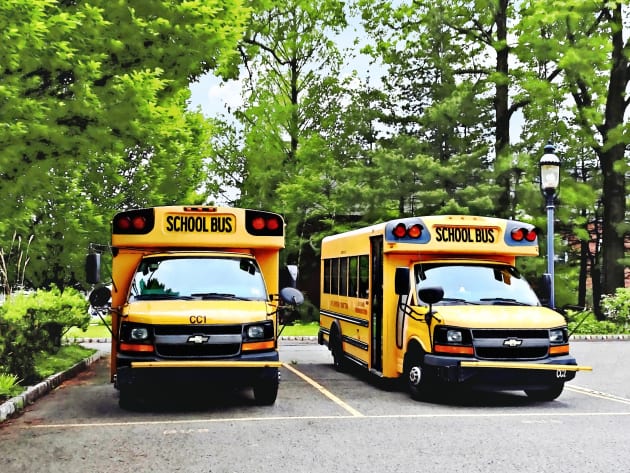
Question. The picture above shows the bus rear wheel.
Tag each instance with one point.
(546, 394)
(336, 348)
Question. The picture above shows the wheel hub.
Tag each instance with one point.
(415, 375)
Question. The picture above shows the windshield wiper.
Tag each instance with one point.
(146, 297)
(502, 301)
(217, 295)
(457, 301)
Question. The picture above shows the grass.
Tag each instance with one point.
(308, 329)
(48, 364)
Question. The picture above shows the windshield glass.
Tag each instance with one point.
(476, 284)
(198, 278)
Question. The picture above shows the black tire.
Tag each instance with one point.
(128, 399)
(547, 394)
(419, 383)
(336, 348)
(266, 391)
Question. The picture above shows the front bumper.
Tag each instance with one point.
(506, 375)
(245, 370)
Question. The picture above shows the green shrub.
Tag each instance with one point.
(35, 322)
(617, 307)
(583, 323)
(9, 386)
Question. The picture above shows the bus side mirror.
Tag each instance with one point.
(93, 268)
(545, 289)
(291, 296)
(100, 296)
(401, 281)
(431, 295)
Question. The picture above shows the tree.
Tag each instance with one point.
(285, 50)
(578, 49)
(94, 118)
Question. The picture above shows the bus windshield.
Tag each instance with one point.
(476, 284)
(201, 278)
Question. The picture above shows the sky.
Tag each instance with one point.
(215, 97)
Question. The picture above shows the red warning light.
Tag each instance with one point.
(518, 234)
(273, 224)
(415, 231)
(138, 222)
(123, 223)
(531, 235)
(400, 230)
(258, 223)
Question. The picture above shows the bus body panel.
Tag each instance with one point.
(195, 335)
(498, 329)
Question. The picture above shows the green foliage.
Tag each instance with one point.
(35, 322)
(48, 364)
(616, 307)
(581, 323)
(93, 110)
(9, 386)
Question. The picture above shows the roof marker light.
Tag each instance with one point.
(415, 231)
(400, 230)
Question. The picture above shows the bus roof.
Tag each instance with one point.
(201, 227)
(441, 234)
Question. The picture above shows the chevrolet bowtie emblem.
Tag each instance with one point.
(512, 342)
(198, 339)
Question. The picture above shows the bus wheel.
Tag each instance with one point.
(547, 394)
(336, 349)
(128, 399)
(417, 382)
(266, 391)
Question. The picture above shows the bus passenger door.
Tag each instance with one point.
(376, 301)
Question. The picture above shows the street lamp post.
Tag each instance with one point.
(549, 182)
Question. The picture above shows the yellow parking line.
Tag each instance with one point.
(324, 391)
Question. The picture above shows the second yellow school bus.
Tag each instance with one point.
(194, 300)
(438, 300)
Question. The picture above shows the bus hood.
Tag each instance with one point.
(178, 312)
(497, 316)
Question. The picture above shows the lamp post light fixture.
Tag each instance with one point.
(549, 182)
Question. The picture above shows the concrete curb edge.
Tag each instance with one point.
(16, 404)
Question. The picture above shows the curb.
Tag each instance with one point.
(13, 406)
(600, 338)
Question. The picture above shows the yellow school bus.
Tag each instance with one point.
(439, 301)
(194, 299)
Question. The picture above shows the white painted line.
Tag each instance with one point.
(324, 391)
(597, 394)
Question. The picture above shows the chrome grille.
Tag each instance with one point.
(508, 344)
(210, 341)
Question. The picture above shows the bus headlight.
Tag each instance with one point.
(454, 336)
(557, 335)
(255, 331)
(139, 333)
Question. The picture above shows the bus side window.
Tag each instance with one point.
(353, 277)
(327, 276)
(364, 276)
(343, 277)
(334, 276)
